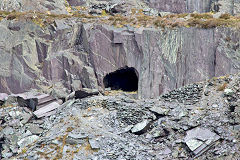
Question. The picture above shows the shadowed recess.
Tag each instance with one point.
(125, 79)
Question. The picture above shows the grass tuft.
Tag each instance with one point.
(222, 87)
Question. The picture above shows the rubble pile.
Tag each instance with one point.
(187, 95)
(120, 127)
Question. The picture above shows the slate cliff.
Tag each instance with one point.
(71, 55)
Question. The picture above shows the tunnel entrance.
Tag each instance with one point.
(125, 79)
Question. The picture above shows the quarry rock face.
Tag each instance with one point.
(165, 59)
(173, 6)
(75, 55)
(74, 69)
(200, 6)
(54, 6)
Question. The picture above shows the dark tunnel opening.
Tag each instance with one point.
(125, 79)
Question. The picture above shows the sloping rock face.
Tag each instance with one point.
(74, 55)
(174, 6)
(54, 6)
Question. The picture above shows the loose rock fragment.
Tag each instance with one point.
(78, 136)
(198, 139)
(3, 97)
(26, 118)
(85, 93)
(159, 110)
(228, 92)
(94, 144)
(141, 127)
(27, 140)
(35, 129)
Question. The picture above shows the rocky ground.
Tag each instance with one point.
(72, 44)
(199, 121)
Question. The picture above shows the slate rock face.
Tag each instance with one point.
(74, 56)
(200, 6)
(54, 6)
(175, 6)
(76, 2)
(164, 59)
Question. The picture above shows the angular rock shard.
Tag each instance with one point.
(85, 93)
(3, 97)
(30, 103)
(200, 139)
(141, 127)
(42, 111)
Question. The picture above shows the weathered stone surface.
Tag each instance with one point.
(141, 127)
(54, 6)
(175, 6)
(26, 118)
(27, 140)
(78, 135)
(228, 92)
(181, 6)
(3, 98)
(35, 129)
(94, 144)
(76, 2)
(198, 139)
(160, 110)
(200, 6)
(229, 6)
(8, 131)
(80, 55)
(101, 124)
(86, 93)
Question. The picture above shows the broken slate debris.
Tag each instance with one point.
(199, 139)
(228, 92)
(48, 108)
(122, 128)
(187, 95)
(159, 110)
(27, 140)
(35, 129)
(78, 135)
(85, 93)
(141, 127)
(3, 97)
(94, 143)
(30, 103)
(42, 105)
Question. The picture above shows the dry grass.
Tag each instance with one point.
(225, 16)
(182, 15)
(222, 87)
(69, 129)
(201, 16)
(136, 19)
(117, 92)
